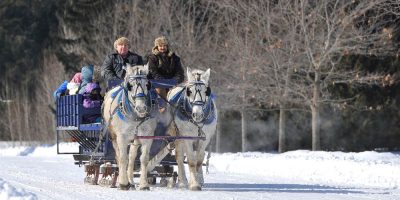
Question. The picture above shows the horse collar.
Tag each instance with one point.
(125, 108)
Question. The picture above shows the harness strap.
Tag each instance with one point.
(103, 131)
(137, 127)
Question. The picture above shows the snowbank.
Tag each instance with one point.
(365, 169)
(7, 191)
(39, 151)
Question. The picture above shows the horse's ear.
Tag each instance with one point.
(189, 74)
(129, 69)
(206, 76)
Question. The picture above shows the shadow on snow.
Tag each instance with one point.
(283, 188)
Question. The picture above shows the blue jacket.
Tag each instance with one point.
(60, 90)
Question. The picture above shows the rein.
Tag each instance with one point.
(104, 129)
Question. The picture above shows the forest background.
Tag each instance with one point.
(288, 74)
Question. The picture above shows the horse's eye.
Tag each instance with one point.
(188, 92)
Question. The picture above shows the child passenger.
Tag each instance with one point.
(92, 99)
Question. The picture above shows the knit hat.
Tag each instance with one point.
(87, 73)
(73, 88)
(87, 77)
(77, 78)
(121, 40)
(160, 41)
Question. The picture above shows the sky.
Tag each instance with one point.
(29, 172)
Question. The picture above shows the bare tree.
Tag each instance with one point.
(328, 30)
(295, 49)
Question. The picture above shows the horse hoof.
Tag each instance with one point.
(163, 182)
(125, 187)
(195, 188)
(147, 188)
(182, 186)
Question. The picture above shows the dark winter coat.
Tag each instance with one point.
(165, 66)
(114, 65)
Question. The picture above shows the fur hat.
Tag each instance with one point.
(72, 88)
(161, 40)
(121, 40)
(155, 51)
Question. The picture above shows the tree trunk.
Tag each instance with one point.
(282, 130)
(26, 110)
(244, 130)
(10, 122)
(9, 115)
(282, 113)
(315, 106)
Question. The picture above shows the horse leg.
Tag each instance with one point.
(122, 162)
(131, 166)
(199, 167)
(192, 162)
(144, 160)
(116, 149)
(179, 155)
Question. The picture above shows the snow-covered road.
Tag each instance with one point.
(41, 174)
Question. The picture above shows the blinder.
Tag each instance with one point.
(128, 86)
(148, 85)
(208, 91)
(197, 94)
(197, 88)
(136, 79)
(188, 92)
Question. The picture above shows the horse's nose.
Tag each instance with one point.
(141, 109)
(197, 116)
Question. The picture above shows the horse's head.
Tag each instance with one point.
(137, 87)
(198, 93)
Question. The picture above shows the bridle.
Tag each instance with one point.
(137, 81)
(139, 91)
(198, 99)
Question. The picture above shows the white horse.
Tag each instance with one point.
(128, 112)
(195, 116)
